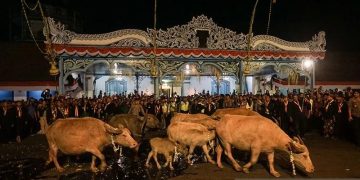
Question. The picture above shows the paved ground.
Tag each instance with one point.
(332, 159)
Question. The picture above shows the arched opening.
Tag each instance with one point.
(193, 78)
(110, 79)
(224, 87)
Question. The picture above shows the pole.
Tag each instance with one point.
(154, 64)
(137, 81)
(61, 77)
(246, 69)
(313, 77)
(85, 85)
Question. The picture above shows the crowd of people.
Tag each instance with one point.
(335, 114)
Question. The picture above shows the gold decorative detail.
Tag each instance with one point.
(217, 73)
(247, 68)
(179, 78)
(154, 70)
(54, 71)
(49, 53)
(293, 78)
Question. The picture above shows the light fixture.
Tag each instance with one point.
(307, 63)
(115, 71)
(187, 69)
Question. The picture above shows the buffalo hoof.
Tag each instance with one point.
(47, 162)
(60, 169)
(220, 166)
(94, 169)
(246, 170)
(237, 168)
(276, 174)
(159, 167)
(102, 168)
(212, 161)
(147, 165)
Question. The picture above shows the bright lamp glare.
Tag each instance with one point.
(308, 64)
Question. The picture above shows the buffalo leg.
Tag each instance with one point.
(156, 160)
(167, 159)
(148, 158)
(270, 157)
(170, 159)
(136, 151)
(228, 153)
(219, 151)
(206, 151)
(254, 157)
(50, 158)
(93, 166)
(98, 154)
(191, 151)
(53, 152)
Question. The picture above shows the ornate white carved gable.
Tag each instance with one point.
(124, 37)
(185, 36)
(271, 43)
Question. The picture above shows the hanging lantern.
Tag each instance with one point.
(247, 68)
(51, 56)
(54, 71)
(153, 71)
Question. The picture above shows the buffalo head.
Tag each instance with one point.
(301, 155)
(152, 121)
(122, 136)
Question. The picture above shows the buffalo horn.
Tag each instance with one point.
(112, 130)
(300, 140)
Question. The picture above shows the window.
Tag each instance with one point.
(114, 86)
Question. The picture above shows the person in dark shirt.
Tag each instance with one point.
(341, 117)
(267, 108)
(297, 117)
(329, 116)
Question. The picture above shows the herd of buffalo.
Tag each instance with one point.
(228, 128)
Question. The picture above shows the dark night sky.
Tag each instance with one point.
(292, 20)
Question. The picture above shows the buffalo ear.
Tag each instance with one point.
(296, 139)
(296, 147)
(112, 130)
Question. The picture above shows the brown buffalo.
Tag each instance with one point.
(259, 135)
(137, 125)
(192, 135)
(80, 135)
(165, 147)
(233, 111)
(195, 118)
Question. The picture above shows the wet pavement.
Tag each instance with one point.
(331, 158)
